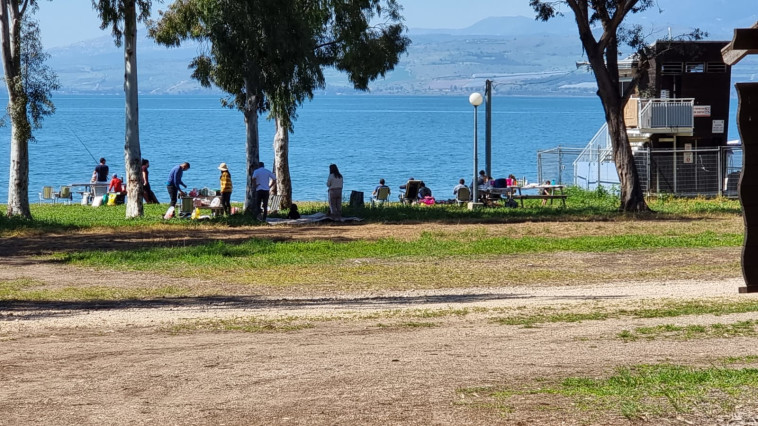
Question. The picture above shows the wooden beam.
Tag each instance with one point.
(745, 38)
(745, 42)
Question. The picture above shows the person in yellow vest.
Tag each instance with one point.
(226, 188)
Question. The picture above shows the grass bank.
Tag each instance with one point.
(581, 206)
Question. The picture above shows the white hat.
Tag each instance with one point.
(223, 167)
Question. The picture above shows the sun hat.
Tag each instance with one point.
(223, 167)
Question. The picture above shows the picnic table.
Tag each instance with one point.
(202, 202)
(543, 192)
(88, 190)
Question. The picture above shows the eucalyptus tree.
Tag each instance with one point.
(122, 17)
(30, 83)
(362, 38)
(603, 55)
(269, 55)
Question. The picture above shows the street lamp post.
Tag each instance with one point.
(475, 99)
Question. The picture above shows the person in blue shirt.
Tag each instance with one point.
(175, 181)
(380, 186)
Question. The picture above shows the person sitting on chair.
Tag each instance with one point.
(547, 191)
(482, 179)
(380, 186)
(461, 184)
(423, 191)
(402, 187)
(116, 185)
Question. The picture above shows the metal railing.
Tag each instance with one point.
(666, 114)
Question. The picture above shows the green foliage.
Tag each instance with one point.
(278, 49)
(688, 332)
(39, 79)
(31, 290)
(666, 310)
(640, 392)
(112, 13)
(660, 389)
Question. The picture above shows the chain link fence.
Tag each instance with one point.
(693, 172)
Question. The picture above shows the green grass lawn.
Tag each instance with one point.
(581, 205)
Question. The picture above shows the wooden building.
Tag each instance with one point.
(678, 120)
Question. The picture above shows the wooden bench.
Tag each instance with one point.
(215, 211)
(552, 189)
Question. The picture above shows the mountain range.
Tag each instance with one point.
(521, 55)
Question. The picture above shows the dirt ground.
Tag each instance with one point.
(355, 362)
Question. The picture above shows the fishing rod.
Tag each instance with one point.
(82, 142)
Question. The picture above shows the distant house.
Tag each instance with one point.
(677, 123)
(686, 98)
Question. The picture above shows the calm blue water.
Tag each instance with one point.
(368, 137)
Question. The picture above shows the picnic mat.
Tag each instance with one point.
(310, 218)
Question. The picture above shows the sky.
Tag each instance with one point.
(55, 17)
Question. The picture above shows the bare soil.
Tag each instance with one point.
(71, 363)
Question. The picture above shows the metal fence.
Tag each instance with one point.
(706, 171)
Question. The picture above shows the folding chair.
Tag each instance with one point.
(382, 196)
(64, 194)
(463, 196)
(274, 203)
(410, 195)
(46, 194)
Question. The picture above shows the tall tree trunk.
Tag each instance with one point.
(282, 164)
(21, 130)
(632, 197)
(18, 184)
(251, 145)
(132, 152)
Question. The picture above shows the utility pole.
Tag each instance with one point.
(488, 127)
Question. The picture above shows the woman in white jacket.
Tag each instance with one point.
(334, 183)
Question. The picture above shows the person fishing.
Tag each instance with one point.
(101, 172)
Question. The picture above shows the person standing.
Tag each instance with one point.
(334, 183)
(175, 182)
(226, 188)
(147, 192)
(101, 170)
(263, 179)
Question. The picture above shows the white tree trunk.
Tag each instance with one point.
(132, 153)
(282, 165)
(18, 182)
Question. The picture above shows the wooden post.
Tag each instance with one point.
(747, 121)
(745, 42)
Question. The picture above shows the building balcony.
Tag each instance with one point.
(669, 116)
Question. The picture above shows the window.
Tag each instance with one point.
(716, 67)
(671, 68)
(695, 67)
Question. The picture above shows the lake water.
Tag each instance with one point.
(368, 137)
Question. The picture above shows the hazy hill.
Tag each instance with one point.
(521, 55)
